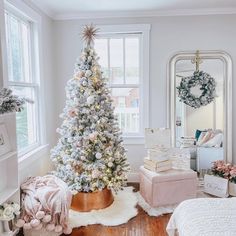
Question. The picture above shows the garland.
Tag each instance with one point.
(10, 102)
(207, 86)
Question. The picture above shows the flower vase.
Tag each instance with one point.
(232, 189)
(6, 228)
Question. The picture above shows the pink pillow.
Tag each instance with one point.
(206, 137)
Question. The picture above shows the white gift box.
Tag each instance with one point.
(158, 154)
(216, 186)
(157, 138)
(180, 158)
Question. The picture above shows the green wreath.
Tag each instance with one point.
(207, 86)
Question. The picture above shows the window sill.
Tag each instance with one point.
(33, 155)
(133, 140)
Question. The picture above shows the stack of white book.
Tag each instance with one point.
(158, 159)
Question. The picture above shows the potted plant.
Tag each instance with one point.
(217, 183)
(221, 169)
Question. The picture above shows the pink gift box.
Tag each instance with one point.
(168, 187)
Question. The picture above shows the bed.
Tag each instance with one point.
(204, 217)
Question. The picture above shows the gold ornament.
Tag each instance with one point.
(95, 80)
(105, 178)
(78, 169)
(89, 33)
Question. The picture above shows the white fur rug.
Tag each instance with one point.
(119, 212)
(157, 211)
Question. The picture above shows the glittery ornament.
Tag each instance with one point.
(88, 73)
(98, 155)
(90, 100)
(110, 164)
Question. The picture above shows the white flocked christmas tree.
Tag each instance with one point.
(89, 155)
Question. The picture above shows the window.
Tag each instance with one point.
(22, 77)
(121, 61)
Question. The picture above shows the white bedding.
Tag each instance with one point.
(204, 217)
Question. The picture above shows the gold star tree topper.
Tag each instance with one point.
(89, 33)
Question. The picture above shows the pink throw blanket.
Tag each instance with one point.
(45, 201)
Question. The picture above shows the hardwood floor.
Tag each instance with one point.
(141, 225)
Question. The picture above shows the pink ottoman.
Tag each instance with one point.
(167, 187)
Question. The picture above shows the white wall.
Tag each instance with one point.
(168, 35)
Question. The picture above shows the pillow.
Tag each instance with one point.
(206, 137)
(201, 136)
(197, 134)
(215, 142)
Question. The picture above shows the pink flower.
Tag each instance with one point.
(221, 168)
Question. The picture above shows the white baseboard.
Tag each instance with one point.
(133, 177)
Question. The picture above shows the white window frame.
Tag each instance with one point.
(23, 11)
(144, 31)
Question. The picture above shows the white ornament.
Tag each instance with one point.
(110, 164)
(88, 73)
(98, 155)
(90, 100)
(95, 174)
(82, 158)
(93, 136)
(68, 167)
(84, 83)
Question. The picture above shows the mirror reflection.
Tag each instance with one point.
(199, 113)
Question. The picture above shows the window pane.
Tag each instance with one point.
(25, 120)
(13, 40)
(26, 51)
(132, 60)
(126, 102)
(101, 47)
(116, 61)
(18, 49)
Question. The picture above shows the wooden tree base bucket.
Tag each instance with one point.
(85, 202)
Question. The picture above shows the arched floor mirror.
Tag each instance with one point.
(200, 105)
